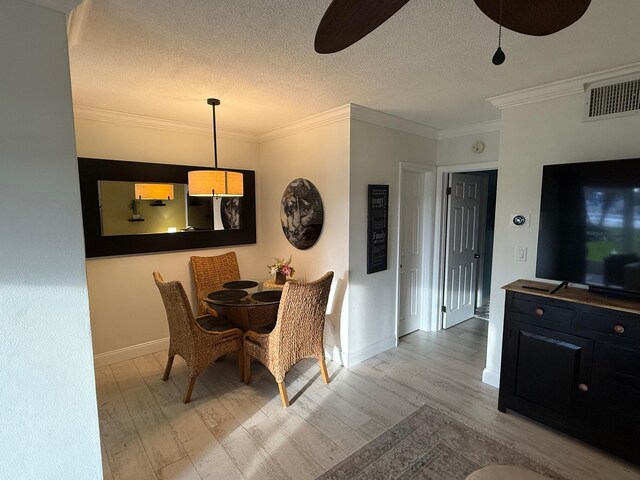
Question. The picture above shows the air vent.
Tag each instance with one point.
(613, 98)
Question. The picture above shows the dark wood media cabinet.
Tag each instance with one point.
(571, 360)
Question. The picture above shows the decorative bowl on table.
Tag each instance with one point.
(240, 284)
(267, 296)
(227, 295)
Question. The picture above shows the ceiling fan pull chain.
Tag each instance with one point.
(498, 57)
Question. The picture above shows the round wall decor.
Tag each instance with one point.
(301, 213)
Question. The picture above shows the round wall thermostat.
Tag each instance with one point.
(477, 147)
(519, 220)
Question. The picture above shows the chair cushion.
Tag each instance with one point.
(215, 324)
(505, 472)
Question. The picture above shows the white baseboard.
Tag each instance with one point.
(333, 353)
(127, 353)
(371, 351)
(490, 377)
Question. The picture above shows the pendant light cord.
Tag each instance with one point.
(500, 26)
(215, 141)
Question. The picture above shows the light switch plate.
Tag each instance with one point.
(521, 253)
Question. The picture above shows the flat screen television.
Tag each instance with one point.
(590, 225)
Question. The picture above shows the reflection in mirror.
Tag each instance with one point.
(200, 213)
(226, 212)
(127, 208)
(154, 191)
(122, 214)
(230, 209)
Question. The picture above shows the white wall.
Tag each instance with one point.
(533, 135)
(48, 414)
(125, 305)
(457, 150)
(321, 155)
(376, 153)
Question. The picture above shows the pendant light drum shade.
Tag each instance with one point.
(219, 183)
(154, 191)
(216, 182)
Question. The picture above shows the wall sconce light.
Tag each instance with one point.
(217, 182)
(156, 192)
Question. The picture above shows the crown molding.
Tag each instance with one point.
(120, 118)
(375, 117)
(562, 88)
(76, 21)
(350, 111)
(344, 112)
(472, 129)
(64, 6)
(314, 121)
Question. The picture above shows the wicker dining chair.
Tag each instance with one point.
(199, 341)
(210, 273)
(298, 334)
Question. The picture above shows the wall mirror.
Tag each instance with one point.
(137, 207)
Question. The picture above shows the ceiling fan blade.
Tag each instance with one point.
(347, 21)
(534, 17)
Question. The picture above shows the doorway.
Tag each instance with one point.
(416, 209)
(468, 213)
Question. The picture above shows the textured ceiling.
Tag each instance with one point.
(430, 63)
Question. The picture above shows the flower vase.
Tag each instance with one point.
(280, 278)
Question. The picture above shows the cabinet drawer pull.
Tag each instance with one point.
(583, 387)
(539, 311)
(618, 329)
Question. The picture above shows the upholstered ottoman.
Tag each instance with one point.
(505, 472)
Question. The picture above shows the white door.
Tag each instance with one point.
(412, 200)
(463, 215)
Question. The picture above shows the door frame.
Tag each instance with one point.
(428, 216)
(480, 287)
(439, 236)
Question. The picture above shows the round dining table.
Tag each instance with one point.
(249, 304)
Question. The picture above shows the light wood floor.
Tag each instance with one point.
(230, 430)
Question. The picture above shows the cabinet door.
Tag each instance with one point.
(550, 377)
(616, 392)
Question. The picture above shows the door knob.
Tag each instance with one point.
(476, 255)
(583, 387)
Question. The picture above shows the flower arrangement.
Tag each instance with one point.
(280, 266)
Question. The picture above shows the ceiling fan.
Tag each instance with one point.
(347, 21)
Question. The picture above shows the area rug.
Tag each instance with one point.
(430, 444)
(483, 310)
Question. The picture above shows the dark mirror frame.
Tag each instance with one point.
(93, 169)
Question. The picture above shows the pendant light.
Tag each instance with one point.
(156, 192)
(216, 182)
